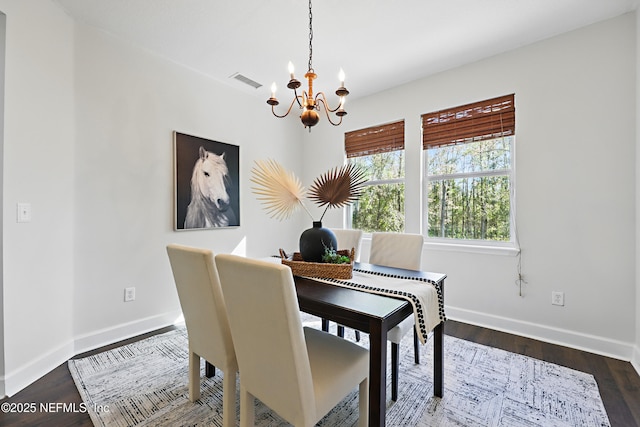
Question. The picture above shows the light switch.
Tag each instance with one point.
(24, 212)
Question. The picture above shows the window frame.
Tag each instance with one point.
(349, 208)
(473, 244)
(370, 183)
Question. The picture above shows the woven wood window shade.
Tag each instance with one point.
(488, 119)
(375, 140)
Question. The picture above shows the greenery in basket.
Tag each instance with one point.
(331, 256)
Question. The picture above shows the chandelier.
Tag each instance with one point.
(308, 103)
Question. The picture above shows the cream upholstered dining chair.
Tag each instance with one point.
(300, 373)
(205, 313)
(349, 239)
(399, 250)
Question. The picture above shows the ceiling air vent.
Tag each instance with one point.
(246, 80)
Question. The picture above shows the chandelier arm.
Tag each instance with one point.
(326, 103)
(326, 111)
(273, 110)
(297, 98)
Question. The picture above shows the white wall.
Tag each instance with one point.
(128, 104)
(3, 34)
(636, 353)
(575, 184)
(38, 258)
(89, 143)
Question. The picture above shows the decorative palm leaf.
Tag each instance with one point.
(337, 187)
(280, 191)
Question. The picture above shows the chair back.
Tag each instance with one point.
(267, 333)
(347, 239)
(203, 306)
(399, 250)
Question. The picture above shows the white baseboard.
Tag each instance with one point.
(106, 336)
(28, 373)
(584, 342)
(635, 359)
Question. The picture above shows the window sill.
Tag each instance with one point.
(507, 250)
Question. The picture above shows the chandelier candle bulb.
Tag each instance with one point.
(291, 69)
(341, 77)
(273, 101)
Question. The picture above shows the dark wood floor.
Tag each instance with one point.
(618, 382)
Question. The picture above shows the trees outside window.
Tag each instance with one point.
(381, 205)
(468, 190)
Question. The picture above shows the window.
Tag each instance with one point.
(469, 171)
(379, 151)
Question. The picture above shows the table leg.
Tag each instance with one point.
(377, 374)
(438, 359)
(209, 370)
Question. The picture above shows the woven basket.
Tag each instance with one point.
(319, 269)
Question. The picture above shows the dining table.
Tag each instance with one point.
(374, 313)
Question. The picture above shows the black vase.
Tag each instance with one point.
(314, 240)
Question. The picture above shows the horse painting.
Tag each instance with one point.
(210, 202)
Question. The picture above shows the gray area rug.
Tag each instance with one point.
(145, 384)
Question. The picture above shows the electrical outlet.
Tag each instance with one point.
(557, 298)
(129, 294)
(24, 212)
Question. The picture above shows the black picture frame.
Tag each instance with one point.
(215, 168)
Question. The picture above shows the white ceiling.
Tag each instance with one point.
(378, 43)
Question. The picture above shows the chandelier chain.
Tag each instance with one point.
(310, 37)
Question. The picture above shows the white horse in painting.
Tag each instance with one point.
(210, 201)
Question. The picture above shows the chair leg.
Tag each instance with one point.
(416, 347)
(247, 412)
(395, 362)
(194, 376)
(229, 398)
(341, 333)
(325, 325)
(363, 403)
